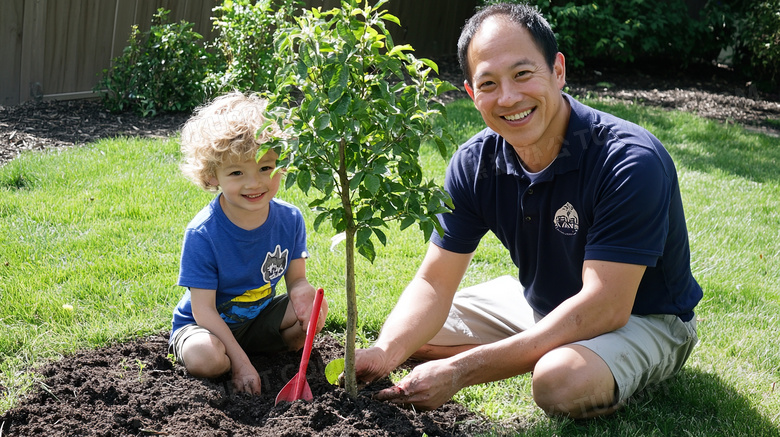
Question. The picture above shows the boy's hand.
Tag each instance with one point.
(246, 379)
(303, 300)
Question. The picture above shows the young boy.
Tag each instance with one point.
(236, 249)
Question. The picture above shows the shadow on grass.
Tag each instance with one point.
(705, 145)
(694, 403)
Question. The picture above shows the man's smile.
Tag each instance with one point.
(518, 116)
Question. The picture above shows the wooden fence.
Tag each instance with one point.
(57, 49)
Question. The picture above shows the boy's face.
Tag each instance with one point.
(247, 189)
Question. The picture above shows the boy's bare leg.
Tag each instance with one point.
(204, 356)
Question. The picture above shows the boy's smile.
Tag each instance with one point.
(247, 189)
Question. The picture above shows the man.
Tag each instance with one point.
(590, 210)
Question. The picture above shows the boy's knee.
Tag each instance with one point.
(294, 338)
(566, 383)
(205, 358)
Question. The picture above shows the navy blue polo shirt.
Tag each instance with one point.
(611, 194)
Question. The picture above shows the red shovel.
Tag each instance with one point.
(298, 387)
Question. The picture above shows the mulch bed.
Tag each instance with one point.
(105, 392)
(708, 91)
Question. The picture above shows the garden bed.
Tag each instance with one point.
(133, 389)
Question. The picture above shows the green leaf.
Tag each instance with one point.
(365, 213)
(391, 18)
(338, 83)
(320, 218)
(363, 236)
(367, 250)
(304, 180)
(346, 34)
(430, 64)
(381, 236)
(400, 49)
(333, 370)
(354, 183)
(406, 222)
(342, 105)
(372, 183)
(321, 121)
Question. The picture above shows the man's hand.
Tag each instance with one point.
(371, 364)
(246, 379)
(427, 387)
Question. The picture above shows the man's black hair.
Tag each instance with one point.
(523, 14)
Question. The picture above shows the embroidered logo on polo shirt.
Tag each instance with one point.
(566, 220)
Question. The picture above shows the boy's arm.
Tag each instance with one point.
(244, 375)
(302, 294)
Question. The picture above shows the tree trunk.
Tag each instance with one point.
(352, 315)
(349, 353)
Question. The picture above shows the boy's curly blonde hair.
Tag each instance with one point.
(222, 131)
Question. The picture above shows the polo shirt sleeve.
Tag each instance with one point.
(631, 207)
(464, 226)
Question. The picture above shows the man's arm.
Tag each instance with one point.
(417, 316)
(244, 374)
(604, 304)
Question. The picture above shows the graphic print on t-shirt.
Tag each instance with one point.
(566, 220)
(275, 264)
(245, 307)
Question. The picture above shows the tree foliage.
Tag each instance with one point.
(356, 109)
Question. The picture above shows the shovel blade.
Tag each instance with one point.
(288, 392)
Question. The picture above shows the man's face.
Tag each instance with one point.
(513, 88)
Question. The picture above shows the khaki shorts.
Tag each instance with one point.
(257, 336)
(647, 350)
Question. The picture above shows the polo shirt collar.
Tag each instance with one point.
(578, 135)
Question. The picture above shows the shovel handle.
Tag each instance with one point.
(310, 331)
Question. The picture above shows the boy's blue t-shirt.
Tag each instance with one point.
(242, 266)
(611, 194)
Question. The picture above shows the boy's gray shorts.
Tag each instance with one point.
(257, 336)
(647, 350)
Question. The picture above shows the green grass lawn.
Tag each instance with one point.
(98, 228)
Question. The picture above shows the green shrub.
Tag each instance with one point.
(757, 46)
(245, 41)
(630, 30)
(161, 70)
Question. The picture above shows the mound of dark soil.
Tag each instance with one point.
(132, 389)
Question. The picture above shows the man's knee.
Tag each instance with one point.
(573, 381)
